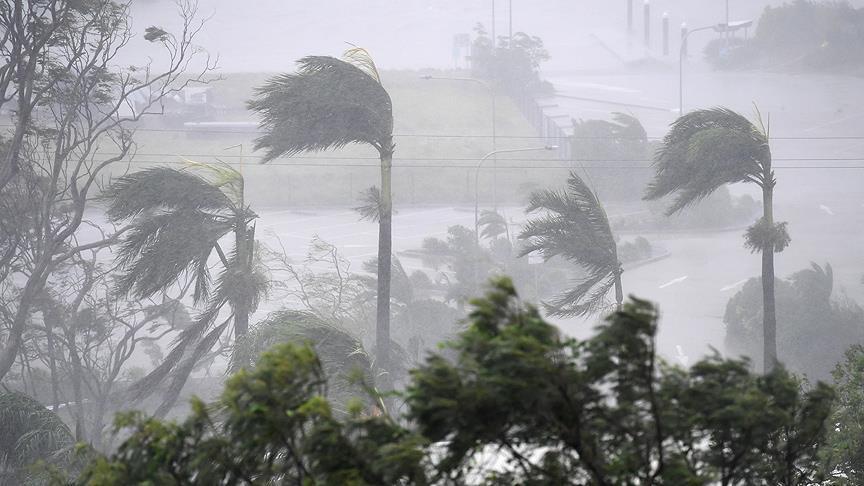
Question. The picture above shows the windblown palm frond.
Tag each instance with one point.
(360, 58)
(627, 128)
(492, 224)
(574, 226)
(816, 283)
(162, 188)
(704, 150)
(28, 432)
(341, 354)
(177, 219)
(327, 104)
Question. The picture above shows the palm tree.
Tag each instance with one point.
(29, 432)
(707, 149)
(575, 226)
(328, 104)
(178, 218)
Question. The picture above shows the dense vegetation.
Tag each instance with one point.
(800, 35)
(519, 403)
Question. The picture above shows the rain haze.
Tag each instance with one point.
(440, 237)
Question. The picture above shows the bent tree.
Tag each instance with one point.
(327, 104)
(707, 149)
(574, 225)
(177, 219)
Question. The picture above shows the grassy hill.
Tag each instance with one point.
(442, 129)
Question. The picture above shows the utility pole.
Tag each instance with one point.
(647, 10)
(629, 17)
(510, 34)
(665, 33)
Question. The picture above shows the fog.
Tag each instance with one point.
(165, 226)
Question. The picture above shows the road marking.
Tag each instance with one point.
(826, 209)
(732, 286)
(673, 282)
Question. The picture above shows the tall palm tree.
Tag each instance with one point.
(178, 218)
(703, 151)
(327, 104)
(574, 225)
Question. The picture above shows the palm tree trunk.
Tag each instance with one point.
(769, 316)
(243, 248)
(385, 251)
(619, 292)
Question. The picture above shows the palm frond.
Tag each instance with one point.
(360, 58)
(628, 128)
(492, 224)
(341, 353)
(162, 188)
(29, 431)
(704, 150)
(329, 103)
(574, 225)
(160, 248)
(371, 206)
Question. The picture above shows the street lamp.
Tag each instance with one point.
(491, 88)
(725, 27)
(477, 179)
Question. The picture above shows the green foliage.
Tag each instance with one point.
(814, 328)
(845, 451)
(606, 410)
(519, 404)
(272, 425)
(347, 365)
(573, 224)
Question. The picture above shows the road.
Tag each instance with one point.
(691, 287)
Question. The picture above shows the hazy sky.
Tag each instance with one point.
(268, 35)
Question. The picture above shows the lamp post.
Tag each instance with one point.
(684, 39)
(477, 179)
(491, 88)
(685, 36)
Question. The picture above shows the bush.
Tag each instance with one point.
(520, 404)
(813, 329)
(800, 35)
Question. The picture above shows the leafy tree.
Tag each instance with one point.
(553, 410)
(328, 104)
(574, 225)
(707, 149)
(518, 404)
(817, 326)
(621, 141)
(513, 64)
(59, 59)
(272, 425)
(844, 454)
(178, 218)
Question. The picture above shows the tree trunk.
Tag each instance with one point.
(619, 292)
(385, 251)
(769, 316)
(244, 248)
